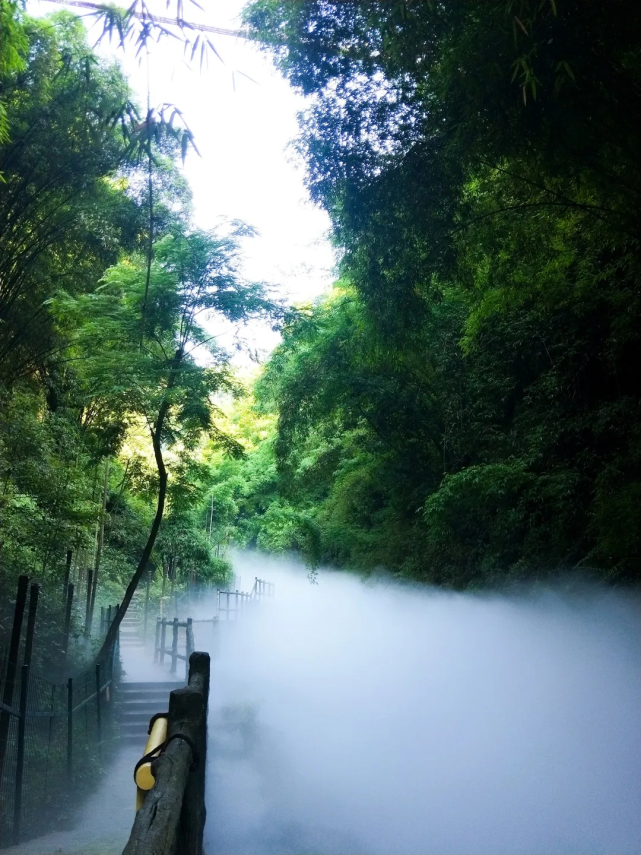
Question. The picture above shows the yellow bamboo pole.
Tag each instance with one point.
(144, 775)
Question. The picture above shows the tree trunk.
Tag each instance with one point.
(100, 543)
(156, 440)
(156, 434)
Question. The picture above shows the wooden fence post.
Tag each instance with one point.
(174, 646)
(189, 645)
(157, 642)
(163, 640)
(146, 604)
(194, 813)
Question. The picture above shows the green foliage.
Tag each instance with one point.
(464, 408)
(64, 219)
(12, 56)
(103, 356)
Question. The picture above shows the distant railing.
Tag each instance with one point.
(231, 603)
(262, 589)
(161, 649)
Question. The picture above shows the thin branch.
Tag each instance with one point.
(159, 19)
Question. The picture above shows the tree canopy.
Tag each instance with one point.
(465, 408)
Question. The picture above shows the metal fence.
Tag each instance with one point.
(54, 740)
(51, 738)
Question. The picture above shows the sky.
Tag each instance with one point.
(243, 129)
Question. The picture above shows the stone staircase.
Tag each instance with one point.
(137, 703)
(131, 629)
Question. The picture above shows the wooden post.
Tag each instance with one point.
(189, 645)
(22, 721)
(172, 818)
(12, 666)
(70, 730)
(67, 575)
(146, 604)
(98, 707)
(174, 646)
(163, 640)
(162, 592)
(157, 642)
(194, 813)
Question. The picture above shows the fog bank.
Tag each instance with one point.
(352, 717)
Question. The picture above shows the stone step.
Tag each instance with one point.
(135, 728)
(140, 719)
(154, 695)
(151, 685)
(141, 700)
(134, 738)
(137, 702)
(147, 702)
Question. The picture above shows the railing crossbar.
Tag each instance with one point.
(43, 714)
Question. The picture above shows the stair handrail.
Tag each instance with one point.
(172, 817)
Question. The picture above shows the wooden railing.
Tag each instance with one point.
(231, 604)
(262, 589)
(161, 649)
(171, 820)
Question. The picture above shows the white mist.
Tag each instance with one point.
(352, 717)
